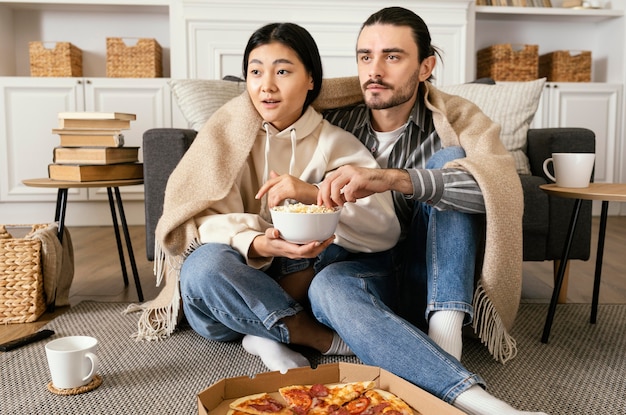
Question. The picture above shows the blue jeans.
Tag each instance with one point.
(357, 299)
(351, 297)
(436, 263)
(224, 298)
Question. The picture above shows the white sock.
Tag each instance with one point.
(275, 355)
(477, 401)
(338, 347)
(445, 328)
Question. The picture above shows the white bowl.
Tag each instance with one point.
(299, 224)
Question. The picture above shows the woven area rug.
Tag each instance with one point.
(581, 370)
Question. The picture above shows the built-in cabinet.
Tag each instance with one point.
(205, 39)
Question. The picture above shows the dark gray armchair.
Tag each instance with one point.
(546, 218)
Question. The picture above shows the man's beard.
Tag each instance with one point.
(398, 96)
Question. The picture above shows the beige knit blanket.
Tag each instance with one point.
(208, 169)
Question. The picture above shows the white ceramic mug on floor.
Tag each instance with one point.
(72, 361)
(570, 169)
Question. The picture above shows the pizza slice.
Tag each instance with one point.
(321, 399)
(258, 404)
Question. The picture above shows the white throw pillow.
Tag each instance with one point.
(510, 104)
(198, 99)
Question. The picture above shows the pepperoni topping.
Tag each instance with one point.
(358, 405)
(319, 390)
(267, 405)
(337, 410)
(299, 399)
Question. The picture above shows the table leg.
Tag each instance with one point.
(599, 255)
(118, 239)
(129, 245)
(59, 212)
(559, 282)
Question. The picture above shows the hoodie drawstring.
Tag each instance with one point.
(292, 162)
(266, 167)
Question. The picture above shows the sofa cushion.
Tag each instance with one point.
(510, 104)
(198, 99)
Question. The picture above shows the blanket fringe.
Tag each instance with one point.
(156, 323)
(159, 321)
(489, 328)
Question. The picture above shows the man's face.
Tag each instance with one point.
(387, 60)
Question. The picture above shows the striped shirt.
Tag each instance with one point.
(444, 189)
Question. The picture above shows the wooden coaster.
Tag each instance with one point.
(95, 382)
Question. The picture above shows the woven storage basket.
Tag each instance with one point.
(22, 298)
(64, 60)
(566, 66)
(504, 63)
(140, 61)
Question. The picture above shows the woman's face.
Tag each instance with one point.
(277, 83)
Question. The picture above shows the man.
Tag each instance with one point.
(398, 129)
(437, 152)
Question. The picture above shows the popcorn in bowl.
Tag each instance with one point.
(300, 223)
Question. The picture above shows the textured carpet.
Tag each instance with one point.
(581, 370)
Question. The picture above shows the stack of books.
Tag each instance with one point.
(92, 148)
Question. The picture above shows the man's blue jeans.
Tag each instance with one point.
(356, 298)
(436, 263)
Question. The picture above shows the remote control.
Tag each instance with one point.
(23, 341)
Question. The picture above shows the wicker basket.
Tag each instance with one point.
(566, 66)
(140, 61)
(22, 298)
(504, 63)
(64, 60)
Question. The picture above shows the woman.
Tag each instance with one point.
(238, 277)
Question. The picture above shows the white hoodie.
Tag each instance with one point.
(309, 149)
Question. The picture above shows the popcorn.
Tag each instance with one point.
(302, 208)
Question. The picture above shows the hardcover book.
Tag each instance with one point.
(90, 173)
(112, 124)
(95, 155)
(89, 138)
(85, 115)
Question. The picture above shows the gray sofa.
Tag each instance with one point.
(546, 218)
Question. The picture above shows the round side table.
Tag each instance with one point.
(112, 187)
(606, 192)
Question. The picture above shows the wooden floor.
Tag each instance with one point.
(98, 276)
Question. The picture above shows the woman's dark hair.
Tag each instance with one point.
(399, 16)
(296, 38)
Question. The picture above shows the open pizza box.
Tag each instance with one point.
(215, 399)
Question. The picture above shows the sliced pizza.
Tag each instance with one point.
(258, 404)
(321, 399)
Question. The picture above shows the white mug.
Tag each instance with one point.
(570, 169)
(72, 361)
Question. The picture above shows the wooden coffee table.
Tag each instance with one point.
(112, 187)
(606, 192)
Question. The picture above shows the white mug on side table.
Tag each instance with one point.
(72, 361)
(570, 169)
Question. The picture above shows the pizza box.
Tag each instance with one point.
(215, 399)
